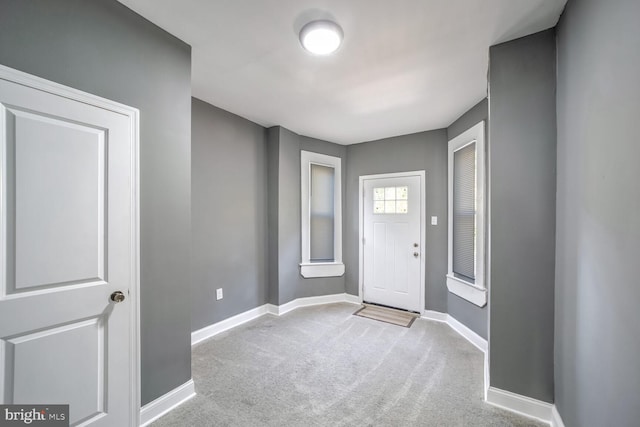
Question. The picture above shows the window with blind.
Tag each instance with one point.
(465, 276)
(464, 212)
(321, 215)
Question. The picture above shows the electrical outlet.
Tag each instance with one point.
(219, 293)
(434, 220)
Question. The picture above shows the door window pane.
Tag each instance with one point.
(390, 193)
(390, 200)
(402, 193)
(389, 206)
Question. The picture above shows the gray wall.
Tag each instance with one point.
(472, 316)
(598, 243)
(228, 214)
(419, 151)
(103, 48)
(273, 201)
(290, 283)
(522, 159)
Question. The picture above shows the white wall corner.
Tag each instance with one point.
(166, 403)
(523, 405)
(556, 419)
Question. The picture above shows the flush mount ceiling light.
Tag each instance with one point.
(321, 37)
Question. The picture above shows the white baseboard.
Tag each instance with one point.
(226, 324)
(461, 329)
(467, 333)
(310, 301)
(353, 299)
(435, 315)
(167, 402)
(523, 405)
(278, 310)
(556, 419)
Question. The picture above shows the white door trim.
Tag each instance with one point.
(423, 224)
(133, 114)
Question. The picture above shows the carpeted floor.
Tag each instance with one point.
(322, 366)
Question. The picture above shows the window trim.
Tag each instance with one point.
(310, 269)
(474, 293)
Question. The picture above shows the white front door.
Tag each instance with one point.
(392, 242)
(67, 243)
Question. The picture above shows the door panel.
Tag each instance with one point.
(66, 244)
(379, 276)
(71, 158)
(392, 212)
(78, 377)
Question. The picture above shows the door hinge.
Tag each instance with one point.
(363, 240)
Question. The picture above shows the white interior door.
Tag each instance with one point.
(392, 242)
(67, 243)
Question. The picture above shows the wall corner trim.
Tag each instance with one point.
(523, 405)
(556, 419)
(166, 403)
(276, 310)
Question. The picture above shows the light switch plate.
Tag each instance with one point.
(219, 293)
(434, 220)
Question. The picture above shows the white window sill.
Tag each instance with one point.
(321, 269)
(474, 294)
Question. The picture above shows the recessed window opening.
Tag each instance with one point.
(466, 259)
(321, 215)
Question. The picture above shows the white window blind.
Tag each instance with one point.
(464, 212)
(321, 214)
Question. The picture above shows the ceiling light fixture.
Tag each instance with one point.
(321, 37)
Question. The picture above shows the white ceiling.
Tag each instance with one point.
(404, 66)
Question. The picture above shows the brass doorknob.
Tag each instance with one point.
(117, 296)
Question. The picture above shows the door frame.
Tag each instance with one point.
(133, 115)
(423, 225)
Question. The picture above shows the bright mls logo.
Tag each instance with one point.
(34, 415)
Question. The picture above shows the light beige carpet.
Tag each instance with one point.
(387, 315)
(322, 366)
